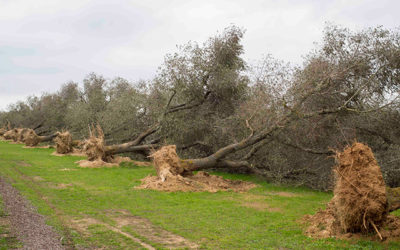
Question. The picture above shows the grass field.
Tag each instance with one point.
(101, 208)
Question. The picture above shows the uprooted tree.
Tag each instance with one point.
(173, 176)
(31, 139)
(96, 150)
(360, 203)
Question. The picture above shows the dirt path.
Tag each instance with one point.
(26, 223)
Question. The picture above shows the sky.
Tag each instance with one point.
(46, 43)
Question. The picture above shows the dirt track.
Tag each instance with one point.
(26, 223)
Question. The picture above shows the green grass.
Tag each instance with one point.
(222, 220)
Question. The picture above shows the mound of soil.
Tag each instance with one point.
(200, 182)
(172, 176)
(359, 205)
(98, 163)
(45, 146)
(75, 152)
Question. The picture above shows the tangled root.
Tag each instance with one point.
(29, 137)
(7, 135)
(167, 162)
(360, 203)
(360, 191)
(64, 143)
(12, 134)
(94, 146)
(22, 133)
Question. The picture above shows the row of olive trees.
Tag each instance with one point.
(271, 119)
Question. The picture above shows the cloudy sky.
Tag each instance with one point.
(45, 43)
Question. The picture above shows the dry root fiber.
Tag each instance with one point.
(2, 131)
(167, 162)
(64, 143)
(30, 138)
(12, 134)
(172, 176)
(94, 146)
(359, 204)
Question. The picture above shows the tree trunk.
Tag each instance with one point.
(47, 137)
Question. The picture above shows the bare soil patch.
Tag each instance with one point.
(29, 226)
(37, 178)
(260, 206)
(67, 169)
(359, 206)
(45, 146)
(256, 202)
(142, 163)
(23, 164)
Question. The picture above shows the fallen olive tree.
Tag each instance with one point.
(95, 148)
(31, 139)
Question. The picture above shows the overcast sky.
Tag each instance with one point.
(45, 43)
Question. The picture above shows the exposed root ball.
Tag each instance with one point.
(8, 135)
(2, 131)
(359, 204)
(64, 143)
(360, 191)
(167, 162)
(30, 138)
(172, 176)
(94, 147)
(22, 133)
(13, 134)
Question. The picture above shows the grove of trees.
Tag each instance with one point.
(278, 121)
